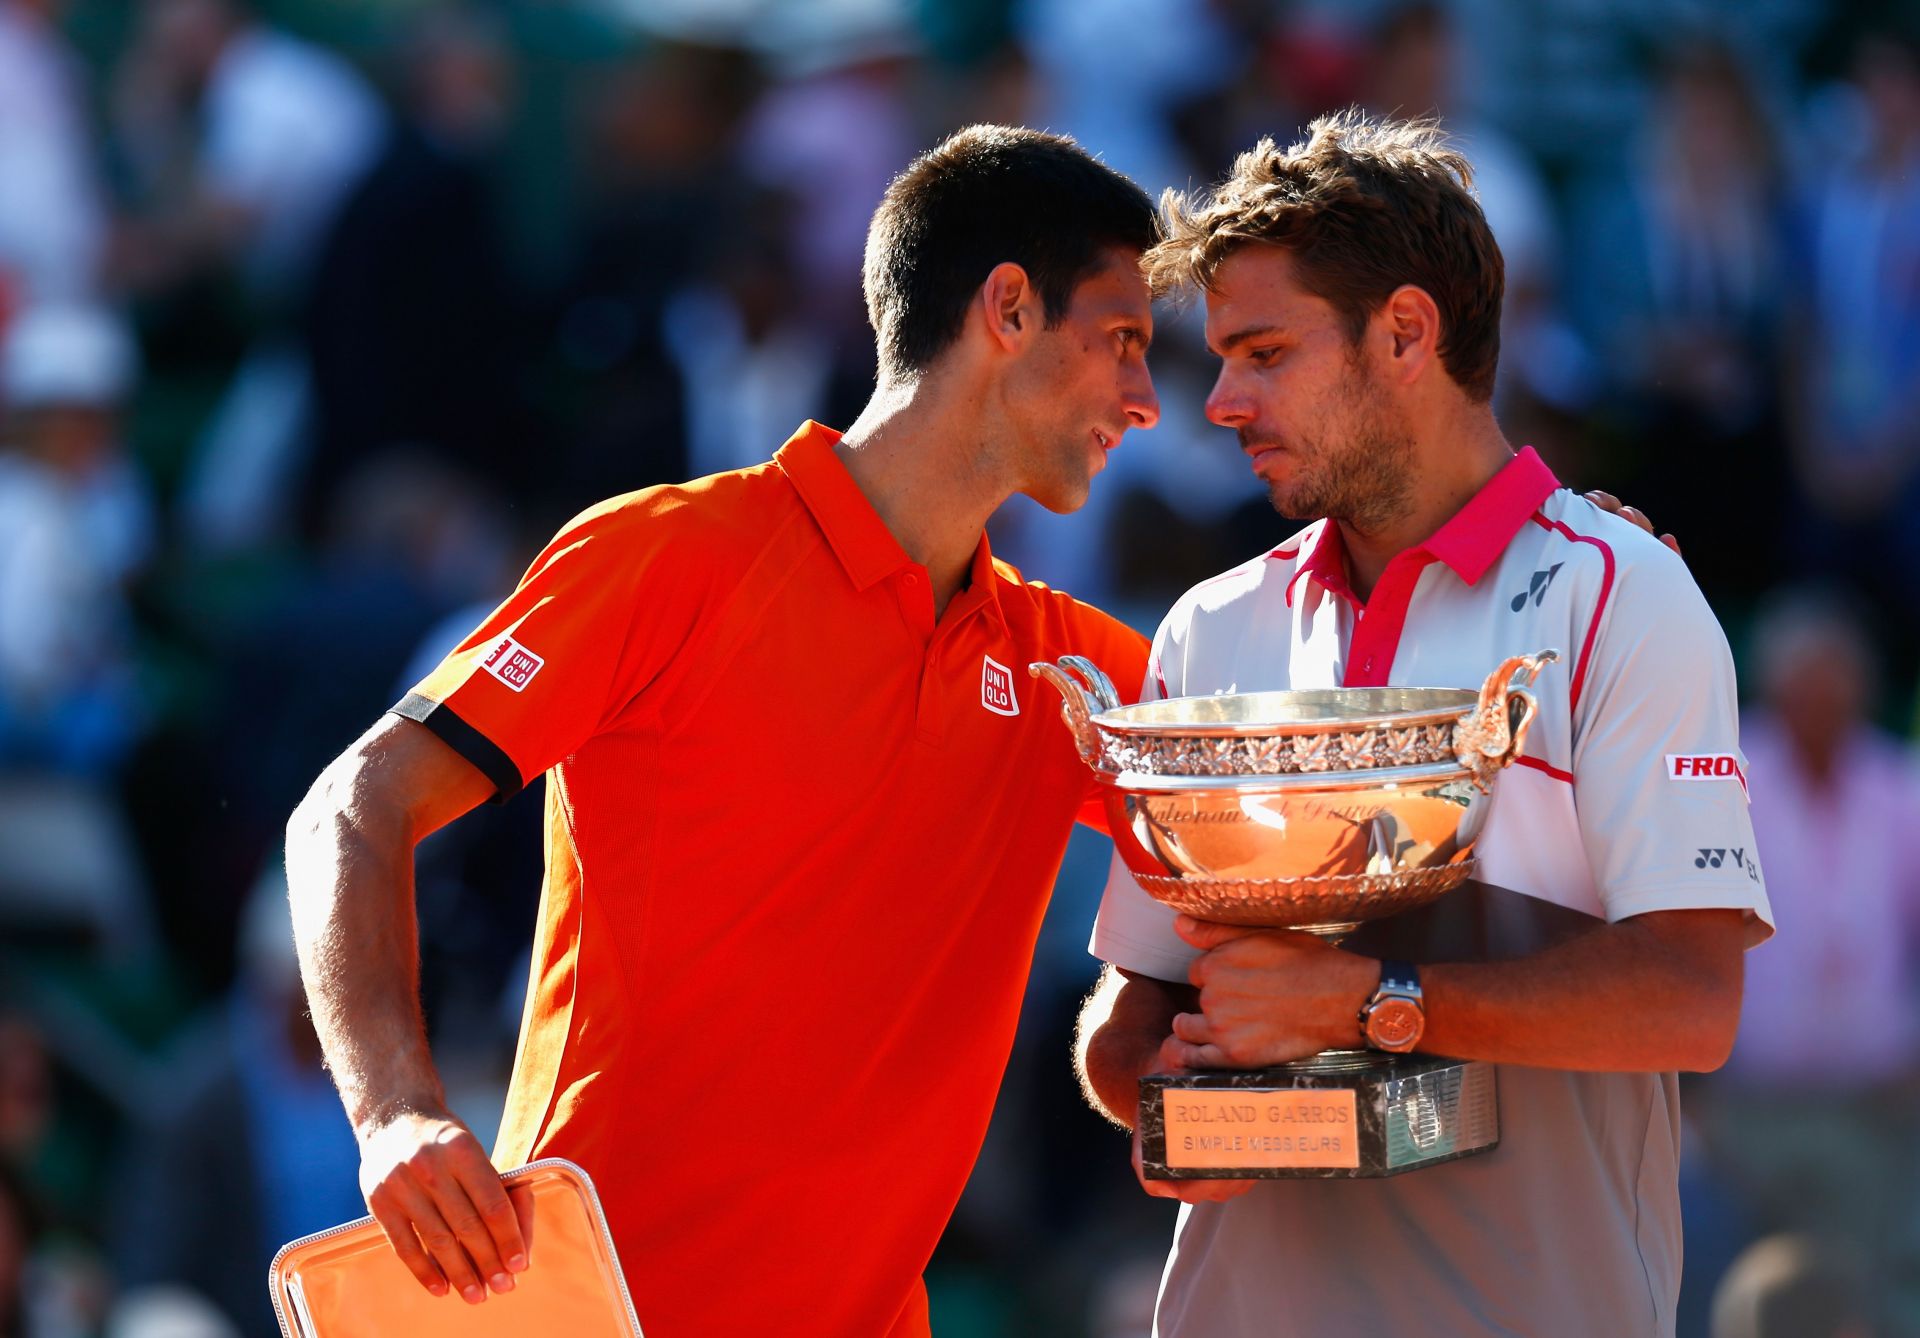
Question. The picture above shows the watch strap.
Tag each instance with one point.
(1398, 978)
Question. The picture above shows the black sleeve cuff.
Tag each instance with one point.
(465, 740)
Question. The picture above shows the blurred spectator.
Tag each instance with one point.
(75, 526)
(249, 141)
(412, 323)
(1790, 1287)
(751, 357)
(1412, 67)
(26, 1091)
(252, 1149)
(829, 134)
(1857, 447)
(75, 523)
(42, 1293)
(661, 152)
(1811, 1121)
(51, 222)
(1155, 55)
(167, 1312)
(1677, 280)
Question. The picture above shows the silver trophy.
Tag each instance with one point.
(1316, 809)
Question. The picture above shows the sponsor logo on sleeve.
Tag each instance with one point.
(512, 663)
(1726, 857)
(996, 688)
(1707, 767)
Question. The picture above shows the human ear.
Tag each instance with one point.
(1009, 306)
(1413, 322)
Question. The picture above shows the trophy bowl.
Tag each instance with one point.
(1312, 809)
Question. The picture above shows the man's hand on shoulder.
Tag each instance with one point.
(1607, 502)
(430, 1185)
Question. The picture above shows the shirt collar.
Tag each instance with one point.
(1326, 563)
(859, 538)
(1469, 543)
(1481, 530)
(854, 530)
(983, 587)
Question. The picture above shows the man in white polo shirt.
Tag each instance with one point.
(1353, 294)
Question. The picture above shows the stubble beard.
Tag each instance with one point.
(1360, 473)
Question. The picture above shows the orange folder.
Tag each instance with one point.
(346, 1282)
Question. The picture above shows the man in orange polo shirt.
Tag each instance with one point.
(804, 805)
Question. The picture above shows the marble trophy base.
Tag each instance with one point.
(1342, 1115)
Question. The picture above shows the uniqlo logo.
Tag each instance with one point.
(512, 663)
(996, 688)
(1706, 767)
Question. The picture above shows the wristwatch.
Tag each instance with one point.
(1394, 1018)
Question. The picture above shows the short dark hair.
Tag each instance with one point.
(985, 196)
(1363, 205)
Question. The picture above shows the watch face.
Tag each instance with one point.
(1395, 1024)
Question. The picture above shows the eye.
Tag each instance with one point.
(1130, 337)
(1265, 356)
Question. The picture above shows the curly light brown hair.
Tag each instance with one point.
(1364, 205)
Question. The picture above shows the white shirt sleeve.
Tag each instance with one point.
(1133, 930)
(1659, 780)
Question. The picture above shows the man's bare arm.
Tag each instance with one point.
(1656, 992)
(1124, 1030)
(350, 850)
(1117, 1040)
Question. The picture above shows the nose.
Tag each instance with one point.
(1141, 402)
(1226, 405)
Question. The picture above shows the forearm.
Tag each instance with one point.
(1111, 1064)
(1118, 1040)
(350, 880)
(1655, 993)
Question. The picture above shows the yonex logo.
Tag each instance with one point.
(512, 663)
(1727, 856)
(996, 688)
(1536, 588)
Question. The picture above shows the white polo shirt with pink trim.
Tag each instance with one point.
(1631, 798)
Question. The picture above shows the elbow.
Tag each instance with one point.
(1701, 978)
(306, 819)
(1101, 1050)
(315, 816)
(1710, 1052)
(1716, 1027)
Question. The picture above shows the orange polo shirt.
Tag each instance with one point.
(800, 838)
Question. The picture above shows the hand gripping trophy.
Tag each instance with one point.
(1316, 810)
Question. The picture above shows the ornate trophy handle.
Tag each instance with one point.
(1103, 689)
(1490, 737)
(1079, 703)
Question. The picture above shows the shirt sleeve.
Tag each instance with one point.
(1659, 780)
(596, 618)
(1133, 930)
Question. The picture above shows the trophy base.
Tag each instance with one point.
(1341, 1115)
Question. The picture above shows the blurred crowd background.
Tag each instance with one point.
(318, 316)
